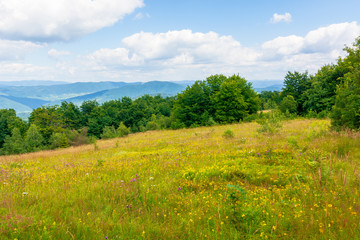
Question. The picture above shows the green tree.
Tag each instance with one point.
(225, 99)
(33, 139)
(59, 140)
(269, 99)
(9, 121)
(296, 84)
(109, 132)
(346, 111)
(48, 119)
(191, 104)
(122, 130)
(70, 115)
(14, 144)
(229, 102)
(288, 104)
(153, 123)
(321, 94)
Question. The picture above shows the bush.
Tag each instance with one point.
(122, 130)
(109, 132)
(252, 117)
(228, 134)
(59, 140)
(288, 104)
(33, 139)
(77, 138)
(14, 144)
(270, 123)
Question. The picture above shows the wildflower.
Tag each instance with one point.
(151, 178)
(25, 193)
(179, 188)
(133, 180)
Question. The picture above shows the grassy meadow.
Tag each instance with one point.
(300, 183)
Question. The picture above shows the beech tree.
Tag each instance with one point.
(346, 111)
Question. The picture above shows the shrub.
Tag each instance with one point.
(123, 130)
(288, 104)
(109, 132)
(33, 139)
(270, 123)
(14, 144)
(59, 140)
(77, 138)
(228, 134)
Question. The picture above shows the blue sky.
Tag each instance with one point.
(171, 40)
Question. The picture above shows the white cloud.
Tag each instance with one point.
(283, 46)
(14, 50)
(21, 71)
(335, 36)
(175, 48)
(281, 18)
(322, 40)
(317, 48)
(56, 54)
(179, 55)
(193, 55)
(62, 19)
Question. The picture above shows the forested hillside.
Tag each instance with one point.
(334, 91)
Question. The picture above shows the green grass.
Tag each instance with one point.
(300, 183)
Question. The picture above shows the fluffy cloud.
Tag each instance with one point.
(317, 48)
(62, 19)
(188, 55)
(324, 40)
(281, 18)
(22, 71)
(179, 55)
(176, 48)
(14, 50)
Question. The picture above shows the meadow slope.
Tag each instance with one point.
(301, 183)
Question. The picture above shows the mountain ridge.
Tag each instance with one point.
(25, 98)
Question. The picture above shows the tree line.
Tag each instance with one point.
(334, 91)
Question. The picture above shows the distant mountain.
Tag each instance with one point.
(24, 98)
(133, 91)
(29, 102)
(6, 103)
(266, 83)
(185, 82)
(269, 88)
(59, 92)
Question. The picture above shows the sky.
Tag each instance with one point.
(171, 40)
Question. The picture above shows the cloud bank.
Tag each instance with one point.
(184, 54)
(45, 20)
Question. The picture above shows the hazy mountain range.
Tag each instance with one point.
(24, 96)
